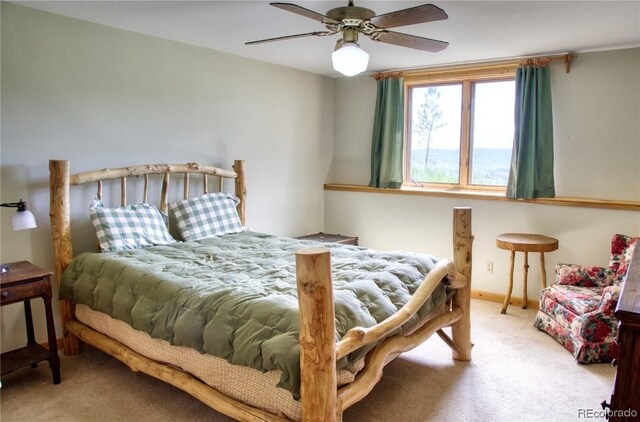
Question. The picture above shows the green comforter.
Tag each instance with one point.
(235, 296)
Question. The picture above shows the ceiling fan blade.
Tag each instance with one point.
(410, 41)
(410, 16)
(289, 37)
(299, 10)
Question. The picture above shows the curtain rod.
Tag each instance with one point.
(520, 61)
(545, 60)
(387, 75)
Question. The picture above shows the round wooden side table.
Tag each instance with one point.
(525, 242)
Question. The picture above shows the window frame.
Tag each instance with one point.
(465, 76)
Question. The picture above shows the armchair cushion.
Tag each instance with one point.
(584, 276)
(575, 299)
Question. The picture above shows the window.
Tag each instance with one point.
(459, 130)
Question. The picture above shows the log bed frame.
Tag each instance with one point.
(321, 400)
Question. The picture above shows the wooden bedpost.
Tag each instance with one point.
(462, 245)
(241, 189)
(317, 335)
(60, 213)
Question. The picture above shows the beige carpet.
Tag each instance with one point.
(517, 374)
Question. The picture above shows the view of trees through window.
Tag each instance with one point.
(438, 130)
(435, 146)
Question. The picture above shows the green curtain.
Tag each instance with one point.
(531, 174)
(388, 133)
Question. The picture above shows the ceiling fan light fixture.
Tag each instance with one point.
(350, 59)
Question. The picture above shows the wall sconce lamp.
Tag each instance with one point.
(22, 220)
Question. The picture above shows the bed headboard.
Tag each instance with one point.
(61, 180)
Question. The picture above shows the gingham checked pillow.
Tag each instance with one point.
(129, 227)
(209, 215)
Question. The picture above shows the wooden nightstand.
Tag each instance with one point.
(331, 238)
(24, 282)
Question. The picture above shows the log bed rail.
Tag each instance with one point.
(321, 400)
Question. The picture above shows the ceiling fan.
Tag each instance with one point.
(351, 20)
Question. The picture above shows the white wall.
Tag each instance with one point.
(597, 155)
(102, 97)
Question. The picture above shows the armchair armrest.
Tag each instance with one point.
(601, 323)
(610, 296)
(584, 275)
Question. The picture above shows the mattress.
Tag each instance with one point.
(247, 385)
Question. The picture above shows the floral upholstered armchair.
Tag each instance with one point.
(578, 311)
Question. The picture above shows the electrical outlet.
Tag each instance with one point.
(490, 267)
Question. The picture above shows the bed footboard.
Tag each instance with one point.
(317, 335)
(462, 246)
(319, 352)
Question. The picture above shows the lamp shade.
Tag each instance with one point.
(350, 59)
(23, 220)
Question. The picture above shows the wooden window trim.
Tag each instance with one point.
(443, 75)
(465, 140)
(465, 76)
(612, 204)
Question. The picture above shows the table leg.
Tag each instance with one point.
(508, 296)
(28, 319)
(526, 273)
(54, 360)
(31, 338)
(544, 270)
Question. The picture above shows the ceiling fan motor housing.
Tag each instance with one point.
(350, 35)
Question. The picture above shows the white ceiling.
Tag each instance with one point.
(476, 30)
